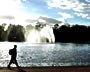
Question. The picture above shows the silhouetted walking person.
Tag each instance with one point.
(13, 53)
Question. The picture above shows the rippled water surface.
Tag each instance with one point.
(59, 54)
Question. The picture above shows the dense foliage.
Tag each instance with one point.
(14, 33)
(75, 33)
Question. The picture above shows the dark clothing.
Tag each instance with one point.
(13, 58)
(14, 55)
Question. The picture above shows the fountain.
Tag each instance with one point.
(40, 33)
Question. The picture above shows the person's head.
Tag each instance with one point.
(15, 46)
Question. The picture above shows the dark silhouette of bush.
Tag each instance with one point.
(1, 33)
(75, 33)
(16, 33)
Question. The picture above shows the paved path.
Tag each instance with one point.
(48, 69)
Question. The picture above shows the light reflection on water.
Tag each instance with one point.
(59, 54)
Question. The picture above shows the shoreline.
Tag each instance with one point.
(48, 69)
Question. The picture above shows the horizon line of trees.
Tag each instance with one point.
(75, 33)
(14, 33)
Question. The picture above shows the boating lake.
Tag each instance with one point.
(58, 54)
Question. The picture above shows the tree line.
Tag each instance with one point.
(14, 33)
(75, 33)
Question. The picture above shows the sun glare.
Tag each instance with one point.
(11, 8)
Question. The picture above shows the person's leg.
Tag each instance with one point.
(16, 63)
(11, 61)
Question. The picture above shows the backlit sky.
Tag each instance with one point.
(49, 11)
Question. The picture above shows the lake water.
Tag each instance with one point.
(59, 54)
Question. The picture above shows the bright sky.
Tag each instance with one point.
(50, 11)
